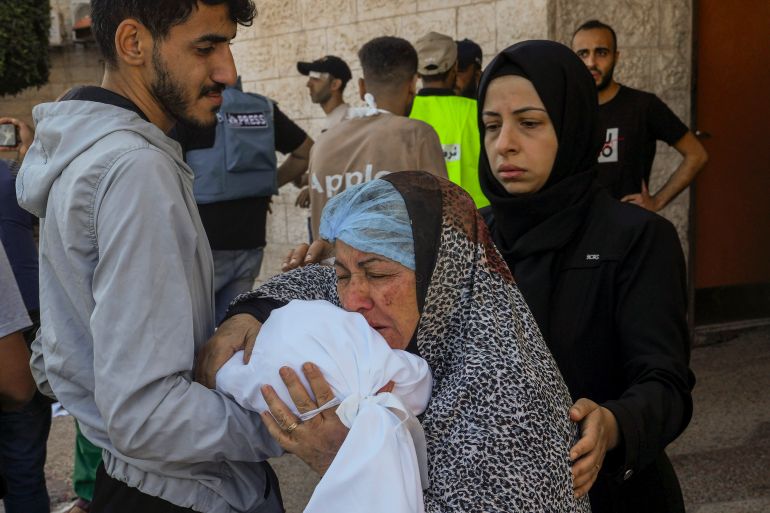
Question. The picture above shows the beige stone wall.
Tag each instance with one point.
(654, 35)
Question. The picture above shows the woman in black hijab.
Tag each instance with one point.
(605, 280)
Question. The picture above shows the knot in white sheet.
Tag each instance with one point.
(348, 409)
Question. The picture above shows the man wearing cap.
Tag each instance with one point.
(453, 117)
(327, 78)
(468, 68)
(379, 139)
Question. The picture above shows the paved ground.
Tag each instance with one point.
(723, 459)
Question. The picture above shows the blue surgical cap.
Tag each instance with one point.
(372, 218)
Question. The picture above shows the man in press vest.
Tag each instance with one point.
(235, 179)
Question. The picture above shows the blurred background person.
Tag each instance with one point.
(469, 58)
(327, 78)
(452, 117)
(23, 433)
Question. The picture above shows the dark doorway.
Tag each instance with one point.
(731, 204)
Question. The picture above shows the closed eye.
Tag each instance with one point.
(374, 276)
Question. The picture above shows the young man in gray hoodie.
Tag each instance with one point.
(125, 269)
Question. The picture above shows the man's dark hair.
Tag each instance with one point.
(388, 61)
(596, 24)
(159, 16)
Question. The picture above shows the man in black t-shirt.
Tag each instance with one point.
(236, 228)
(633, 121)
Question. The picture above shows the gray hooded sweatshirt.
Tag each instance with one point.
(126, 280)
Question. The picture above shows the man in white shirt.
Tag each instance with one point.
(327, 78)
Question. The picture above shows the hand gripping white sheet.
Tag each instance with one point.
(382, 463)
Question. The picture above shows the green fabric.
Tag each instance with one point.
(454, 120)
(87, 459)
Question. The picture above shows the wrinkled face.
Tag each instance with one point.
(320, 88)
(193, 64)
(519, 138)
(597, 50)
(383, 291)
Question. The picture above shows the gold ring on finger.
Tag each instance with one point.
(291, 427)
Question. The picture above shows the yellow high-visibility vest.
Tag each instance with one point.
(454, 120)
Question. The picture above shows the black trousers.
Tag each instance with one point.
(113, 496)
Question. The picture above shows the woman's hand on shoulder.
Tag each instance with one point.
(598, 434)
(236, 333)
(305, 254)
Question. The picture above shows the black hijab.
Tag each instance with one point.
(530, 229)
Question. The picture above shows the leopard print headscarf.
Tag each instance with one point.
(496, 427)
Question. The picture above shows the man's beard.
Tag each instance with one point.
(606, 79)
(322, 96)
(171, 95)
(469, 91)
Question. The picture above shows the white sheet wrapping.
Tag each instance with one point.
(382, 463)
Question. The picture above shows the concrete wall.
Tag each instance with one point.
(654, 37)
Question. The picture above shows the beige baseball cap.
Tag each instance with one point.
(436, 53)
